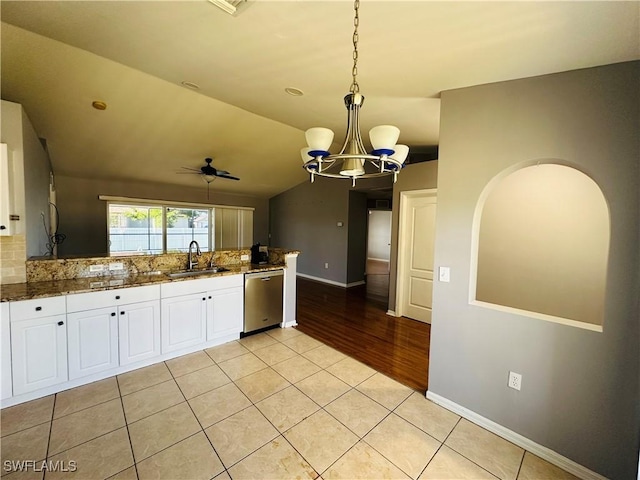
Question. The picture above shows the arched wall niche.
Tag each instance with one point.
(541, 244)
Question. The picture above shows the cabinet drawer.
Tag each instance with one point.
(188, 287)
(88, 301)
(37, 308)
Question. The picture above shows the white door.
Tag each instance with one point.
(415, 254)
(184, 321)
(139, 331)
(38, 353)
(225, 313)
(93, 341)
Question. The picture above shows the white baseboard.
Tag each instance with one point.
(392, 313)
(292, 323)
(331, 282)
(541, 451)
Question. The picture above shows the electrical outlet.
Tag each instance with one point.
(515, 380)
(96, 268)
(326, 265)
(116, 266)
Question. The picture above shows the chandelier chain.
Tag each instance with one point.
(355, 88)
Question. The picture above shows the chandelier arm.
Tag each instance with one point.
(323, 163)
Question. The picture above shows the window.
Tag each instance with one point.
(185, 225)
(139, 229)
(135, 229)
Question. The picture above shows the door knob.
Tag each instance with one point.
(60, 323)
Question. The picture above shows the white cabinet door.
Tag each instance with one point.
(93, 341)
(184, 321)
(38, 353)
(225, 312)
(139, 331)
(5, 351)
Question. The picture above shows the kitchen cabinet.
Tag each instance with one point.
(225, 309)
(184, 321)
(6, 191)
(92, 341)
(38, 344)
(5, 352)
(200, 310)
(111, 328)
(139, 331)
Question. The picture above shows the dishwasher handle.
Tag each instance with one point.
(264, 276)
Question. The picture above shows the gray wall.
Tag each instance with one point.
(305, 218)
(357, 242)
(37, 169)
(83, 218)
(419, 176)
(580, 392)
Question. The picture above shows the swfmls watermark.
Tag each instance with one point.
(39, 466)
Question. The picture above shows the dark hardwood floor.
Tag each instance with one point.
(355, 322)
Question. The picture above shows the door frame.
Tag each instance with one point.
(402, 239)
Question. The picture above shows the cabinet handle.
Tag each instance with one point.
(113, 314)
(60, 323)
(121, 313)
(209, 296)
(38, 309)
(2, 227)
(204, 299)
(117, 297)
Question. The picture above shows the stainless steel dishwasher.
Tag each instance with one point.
(262, 299)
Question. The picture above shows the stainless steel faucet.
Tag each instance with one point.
(192, 262)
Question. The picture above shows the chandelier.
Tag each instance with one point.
(353, 161)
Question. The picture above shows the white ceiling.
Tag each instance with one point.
(134, 54)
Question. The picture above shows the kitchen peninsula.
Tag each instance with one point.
(76, 321)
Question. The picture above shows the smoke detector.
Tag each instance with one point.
(229, 6)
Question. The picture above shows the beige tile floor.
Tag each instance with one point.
(275, 405)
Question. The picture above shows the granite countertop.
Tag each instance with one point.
(31, 290)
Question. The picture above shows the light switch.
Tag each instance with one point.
(445, 274)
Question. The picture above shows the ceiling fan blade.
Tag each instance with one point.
(196, 170)
(189, 173)
(222, 172)
(229, 177)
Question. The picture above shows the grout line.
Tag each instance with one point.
(127, 427)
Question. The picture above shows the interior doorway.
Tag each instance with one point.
(378, 254)
(416, 238)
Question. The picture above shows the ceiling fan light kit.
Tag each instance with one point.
(353, 161)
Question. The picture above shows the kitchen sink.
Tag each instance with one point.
(195, 273)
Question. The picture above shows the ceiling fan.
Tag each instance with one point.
(208, 173)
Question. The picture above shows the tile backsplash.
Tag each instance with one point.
(13, 254)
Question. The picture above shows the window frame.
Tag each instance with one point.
(165, 205)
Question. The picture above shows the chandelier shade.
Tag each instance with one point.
(354, 161)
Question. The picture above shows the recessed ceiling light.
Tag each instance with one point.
(191, 85)
(98, 105)
(296, 92)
